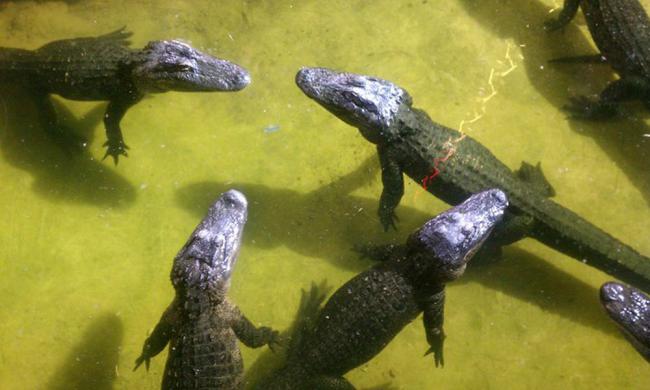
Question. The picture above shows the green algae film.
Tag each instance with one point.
(86, 247)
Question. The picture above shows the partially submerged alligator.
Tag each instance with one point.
(621, 30)
(630, 309)
(368, 311)
(201, 325)
(105, 68)
(452, 166)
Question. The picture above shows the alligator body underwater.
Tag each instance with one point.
(453, 166)
(105, 68)
(621, 31)
(630, 309)
(368, 311)
(201, 326)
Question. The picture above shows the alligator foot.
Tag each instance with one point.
(581, 107)
(115, 149)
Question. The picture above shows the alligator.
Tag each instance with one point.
(451, 166)
(105, 68)
(630, 309)
(201, 325)
(368, 311)
(621, 31)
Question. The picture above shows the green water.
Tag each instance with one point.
(86, 246)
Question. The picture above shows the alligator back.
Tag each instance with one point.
(203, 354)
(472, 168)
(621, 30)
(93, 68)
(357, 322)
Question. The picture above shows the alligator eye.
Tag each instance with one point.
(354, 98)
(174, 67)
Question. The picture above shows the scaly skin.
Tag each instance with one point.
(105, 68)
(201, 325)
(368, 311)
(621, 31)
(408, 141)
(630, 309)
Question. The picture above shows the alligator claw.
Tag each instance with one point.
(275, 340)
(115, 149)
(138, 362)
(388, 220)
(437, 355)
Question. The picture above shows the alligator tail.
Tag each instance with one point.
(572, 235)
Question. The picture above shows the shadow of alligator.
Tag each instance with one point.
(66, 176)
(321, 222)
(622, 139)
(313, 224)
(92, 363)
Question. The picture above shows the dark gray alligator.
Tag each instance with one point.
(630, 309)
(105, 68)
(621, 30)
(201, 325)
(452, 166)
(368, 311)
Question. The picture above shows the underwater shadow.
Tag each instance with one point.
(92, 363)
(72, 176)
(529, 278)
(317, 224)
(622, 138)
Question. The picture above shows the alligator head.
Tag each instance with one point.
(206, 261)
(630, 309)
(365, 102)
(453, 237)
(176, 66)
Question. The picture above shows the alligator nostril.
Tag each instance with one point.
(500, 196)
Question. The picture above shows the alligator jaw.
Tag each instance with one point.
(207, 259)
(176, 66)
(366, 102)
(454, 236)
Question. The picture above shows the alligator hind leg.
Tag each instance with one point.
(533, 176)
(628, 88)
(568, 12)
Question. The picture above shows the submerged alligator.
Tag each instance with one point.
(201, 325)
(452, 166)
(368, 311)
(621, 31)
(630, 309)
(105, 68)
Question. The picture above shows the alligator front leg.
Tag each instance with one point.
(251, 335)
(160, 336)
(628, 88)
(568, 12)
(393, 180)
(433, 307)
(114, 114)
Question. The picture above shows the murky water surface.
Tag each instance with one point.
(86, 247)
